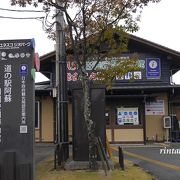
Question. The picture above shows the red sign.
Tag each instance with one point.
(36, 61)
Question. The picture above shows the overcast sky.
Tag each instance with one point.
(159, 23)
(23, 29)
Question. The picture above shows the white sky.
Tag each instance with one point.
(24, 29)
(159, 24)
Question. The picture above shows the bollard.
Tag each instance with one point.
(61, 153)
(121, 158)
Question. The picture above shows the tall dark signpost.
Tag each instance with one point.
(16, 110)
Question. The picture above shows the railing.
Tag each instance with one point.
(59, 154)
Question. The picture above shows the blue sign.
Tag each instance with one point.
(24, 69)
(153, 68)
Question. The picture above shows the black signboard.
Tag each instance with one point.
(80, 138)
(16, 109)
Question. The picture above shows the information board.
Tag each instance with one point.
(127, 115)
(154, 107)
(153, 68)
(16, 109)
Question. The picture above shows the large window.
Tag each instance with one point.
(128, 116)
(37, 114)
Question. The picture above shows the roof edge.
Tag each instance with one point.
(153, 44)
(132, 37)
(47, 55)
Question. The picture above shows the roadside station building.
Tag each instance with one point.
(135, 109)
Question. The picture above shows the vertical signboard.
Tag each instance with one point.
(16, 109)
(153, 68)
(80, 137)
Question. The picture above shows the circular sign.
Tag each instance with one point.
(23, 68)
(153, 64)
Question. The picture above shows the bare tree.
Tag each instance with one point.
(96, 29)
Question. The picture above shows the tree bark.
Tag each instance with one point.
(89, 124)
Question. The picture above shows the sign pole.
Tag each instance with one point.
(61, 84)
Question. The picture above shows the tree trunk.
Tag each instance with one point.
(89, 124)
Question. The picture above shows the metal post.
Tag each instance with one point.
(121, 158)
(57, 74)
(61, 84)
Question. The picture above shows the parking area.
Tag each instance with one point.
(161, 160)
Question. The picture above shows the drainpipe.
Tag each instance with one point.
(144, 123)
(171, 111)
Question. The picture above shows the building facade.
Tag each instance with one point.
(135, 109)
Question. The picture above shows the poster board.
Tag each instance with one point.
(154, 107)
(153, 68)
(127, 116)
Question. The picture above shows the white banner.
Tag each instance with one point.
(154, 107)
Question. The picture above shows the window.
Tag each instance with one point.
(37, 114)
(128, 116)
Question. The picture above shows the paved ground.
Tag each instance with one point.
(43, 150)
(162, 166)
